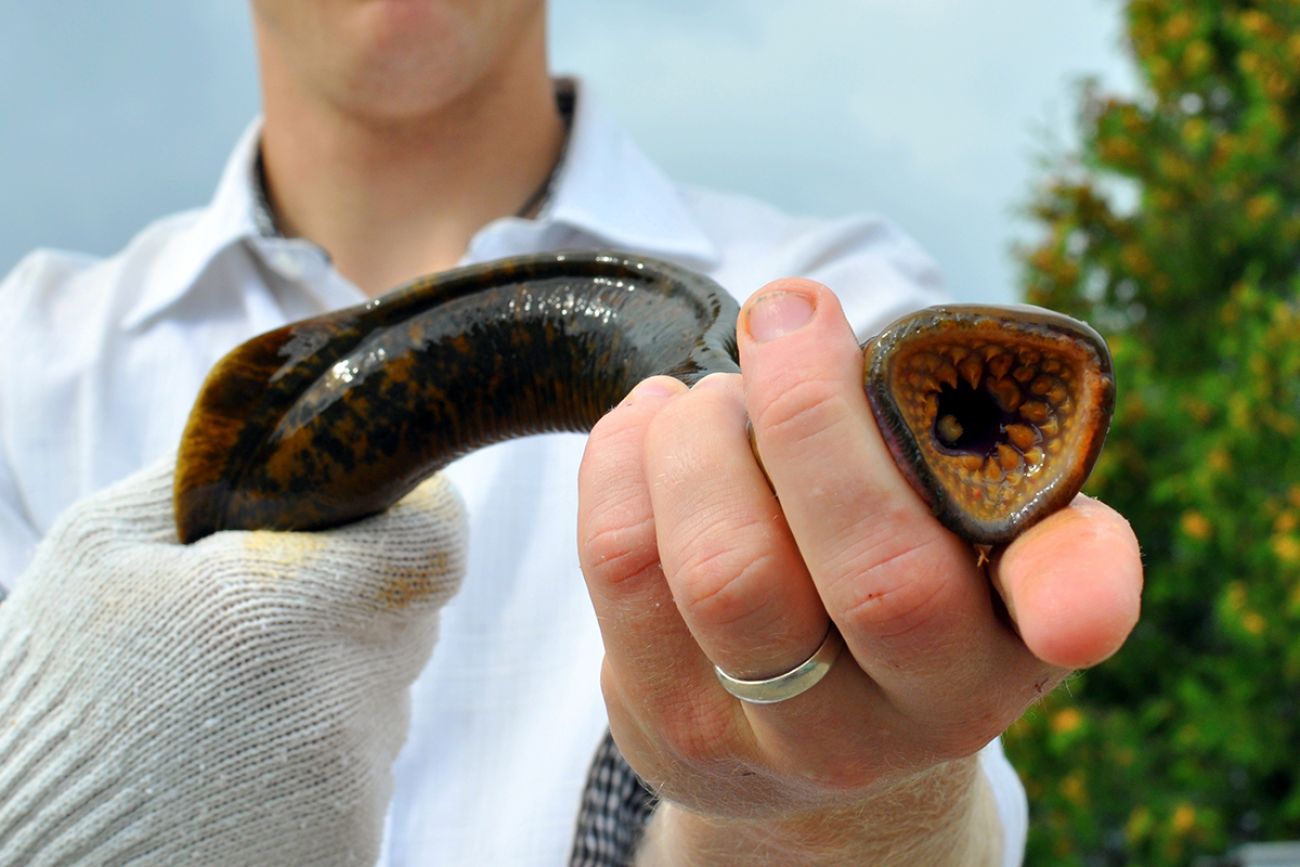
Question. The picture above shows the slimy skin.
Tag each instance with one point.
(333, 418)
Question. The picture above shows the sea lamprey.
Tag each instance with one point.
(995, 415)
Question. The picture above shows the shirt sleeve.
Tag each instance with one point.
(1012, 803)
(878, 272)
(18, 537)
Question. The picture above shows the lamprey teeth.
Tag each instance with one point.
(1023, 436)
(1006, 392)
(995, 415)
(1008, 457)
(1035, 411)
(950, 430)
(999, 363)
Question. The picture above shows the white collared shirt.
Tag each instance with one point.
(103, 359)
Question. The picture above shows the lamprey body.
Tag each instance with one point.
(336, 417)
(995, 415)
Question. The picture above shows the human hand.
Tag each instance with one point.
(692, 561)
(235, 701)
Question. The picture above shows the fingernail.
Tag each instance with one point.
(648, 388)
(778, 313)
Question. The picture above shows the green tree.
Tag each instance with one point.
(1175, 229)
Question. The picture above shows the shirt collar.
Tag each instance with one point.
(227, 220)
(606, 189)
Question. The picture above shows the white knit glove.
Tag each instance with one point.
(237, 701)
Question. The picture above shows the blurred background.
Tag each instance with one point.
(929, 111)
(1161, 202)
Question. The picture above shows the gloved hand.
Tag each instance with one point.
(236, 701)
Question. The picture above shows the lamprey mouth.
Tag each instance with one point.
(995, 415)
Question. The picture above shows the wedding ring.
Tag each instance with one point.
(796, 681)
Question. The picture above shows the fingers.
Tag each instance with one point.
(740, 584)
(655, 660)
(914, 610)
(690, 564)
(733, 566)
(1073, 584)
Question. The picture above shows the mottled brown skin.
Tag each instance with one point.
(334, 418)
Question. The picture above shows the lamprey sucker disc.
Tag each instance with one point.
(995, 414)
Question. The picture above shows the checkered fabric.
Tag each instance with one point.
(615, 810)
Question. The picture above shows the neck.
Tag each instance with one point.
(391, 198)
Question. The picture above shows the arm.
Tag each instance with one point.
(945, 815)
(692, 561)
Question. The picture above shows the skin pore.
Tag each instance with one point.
(395, 129)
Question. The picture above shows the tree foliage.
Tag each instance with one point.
(1175, 229)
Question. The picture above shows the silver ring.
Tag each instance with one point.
(796, 681)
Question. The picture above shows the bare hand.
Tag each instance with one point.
(692, 560)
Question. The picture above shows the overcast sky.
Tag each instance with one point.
(931, 112)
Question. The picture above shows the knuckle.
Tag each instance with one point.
(611, 429)
(898, 591)
(979, 712)
(611, 689)
(718, 586)
(699, 732)
(615, 551)
(802, 411)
